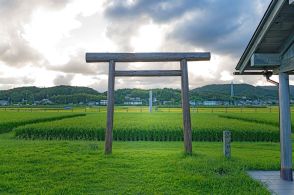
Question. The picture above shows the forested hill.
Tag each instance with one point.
(59, 94)
(222, 91)
(70, 94)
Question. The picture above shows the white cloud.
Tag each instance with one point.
(63, 79)
(48, 28)
(226, 76)
(149, 38)
(43, 42)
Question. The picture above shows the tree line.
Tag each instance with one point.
(76, 95)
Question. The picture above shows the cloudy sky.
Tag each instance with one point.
(43, 42)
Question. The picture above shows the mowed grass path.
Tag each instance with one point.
(76, 167)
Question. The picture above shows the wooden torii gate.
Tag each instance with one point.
(112, 58)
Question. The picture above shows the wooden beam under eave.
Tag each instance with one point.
(248, 73)
(287, 62)
(286, 67)
(265, 60)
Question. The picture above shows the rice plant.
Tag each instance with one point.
(149, 127)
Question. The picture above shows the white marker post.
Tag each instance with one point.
(150, 101)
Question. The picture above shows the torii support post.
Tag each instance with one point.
(110, 108)
(285, 128)
(186, 108)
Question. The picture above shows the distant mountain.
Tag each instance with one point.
(69, 94)
(59, 94)
(223, 91)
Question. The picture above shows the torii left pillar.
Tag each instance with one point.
(110, 108)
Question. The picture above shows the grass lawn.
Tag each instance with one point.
(75, 167)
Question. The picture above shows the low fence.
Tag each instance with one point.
(271, 109)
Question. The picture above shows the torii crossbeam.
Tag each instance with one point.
(112, 58)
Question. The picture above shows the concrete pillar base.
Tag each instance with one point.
(286, 174)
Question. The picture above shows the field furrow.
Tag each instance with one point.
(10, 120)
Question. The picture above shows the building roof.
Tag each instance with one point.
(274, 35)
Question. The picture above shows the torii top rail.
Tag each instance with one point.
(149, 57)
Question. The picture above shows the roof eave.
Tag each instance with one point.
(242, 63)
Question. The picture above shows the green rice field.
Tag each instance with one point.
(264, 118)
(149, 127)
(10, 120)
(62, 152)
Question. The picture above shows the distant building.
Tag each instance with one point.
(193, 103)
(4, 102)
(103, 102)
(166, 102)
(92, 103)
(46, 101)
(67, 108)
(211, 103)
(133, 101)
(43, 101)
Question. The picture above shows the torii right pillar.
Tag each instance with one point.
(285, 127)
